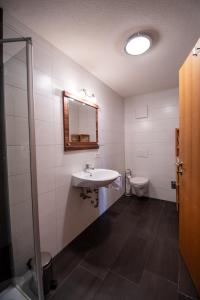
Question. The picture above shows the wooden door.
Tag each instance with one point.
(189, 180)
(177, 167)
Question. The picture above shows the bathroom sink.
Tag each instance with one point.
(94, 178)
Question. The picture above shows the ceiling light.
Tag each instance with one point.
(138, 44)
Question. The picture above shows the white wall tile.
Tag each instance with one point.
(17, 131)
(16, 101)
(18, 160)
(63, 176)
(45, 157)
(58, 133)
(44, 108)
(19, 188)
(58, 109)
(21, 219)
(42, 83)
(44, 133)
(46, 180)
(46, 202)
(42, 60)
(15, 73)
(154, 136)
(23, 250)
(48, 235)
(59, 157)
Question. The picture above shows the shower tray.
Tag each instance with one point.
(12, 293)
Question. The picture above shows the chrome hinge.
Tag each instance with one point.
(196, 51)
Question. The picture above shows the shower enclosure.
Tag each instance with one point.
(19, 225)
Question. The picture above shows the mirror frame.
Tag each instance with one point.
(76, 145)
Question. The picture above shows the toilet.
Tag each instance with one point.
(139, 185)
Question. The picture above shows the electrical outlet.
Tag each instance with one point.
(173, 185)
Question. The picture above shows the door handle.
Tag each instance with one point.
(180, 171)
(179, 165)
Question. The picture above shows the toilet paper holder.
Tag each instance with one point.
(128, 190)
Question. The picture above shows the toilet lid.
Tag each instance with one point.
(139, 180)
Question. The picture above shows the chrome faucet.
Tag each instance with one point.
(88, 169)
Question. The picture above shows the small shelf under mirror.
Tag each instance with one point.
(80, 121)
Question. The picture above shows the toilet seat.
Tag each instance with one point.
(139, 186)
(139, 181)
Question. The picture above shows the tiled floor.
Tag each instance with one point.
(131, 252)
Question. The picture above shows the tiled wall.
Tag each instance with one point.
(150, 139)
(63, 214)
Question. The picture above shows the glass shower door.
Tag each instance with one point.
(25, 283)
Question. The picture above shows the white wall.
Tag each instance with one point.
(150, 142)
(63, 214)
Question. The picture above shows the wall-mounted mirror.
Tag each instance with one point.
(80, 123)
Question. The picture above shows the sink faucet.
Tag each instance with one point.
(88, 169)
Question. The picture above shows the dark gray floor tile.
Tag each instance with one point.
(98, 262)
(143, 224)
(168, 225)
(183, 297)
(163, 259)
(170, 208)
(126, 222)
(147, 226)
(118, 207)
(98, 232)
(101, 257)
(149, 212)
(186, 285)
(104, 253)
(115, 287)
(154, 287)
(79, 285)
(131, 260)
(123, 202)
(138, 205)
(69, 258)
(137, 239)
(154, 208)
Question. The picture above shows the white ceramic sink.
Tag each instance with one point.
(94, 178)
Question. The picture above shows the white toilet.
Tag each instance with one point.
(139, 185)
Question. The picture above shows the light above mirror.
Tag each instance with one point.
(138, 44)
(84, 95)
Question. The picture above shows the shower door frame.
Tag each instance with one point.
(33, 166)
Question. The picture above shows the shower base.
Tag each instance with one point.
(13, 293)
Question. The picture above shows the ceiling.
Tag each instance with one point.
(93, 33)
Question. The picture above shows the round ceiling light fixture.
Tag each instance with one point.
(138, 44)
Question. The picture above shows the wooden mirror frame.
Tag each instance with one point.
(76, 145)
